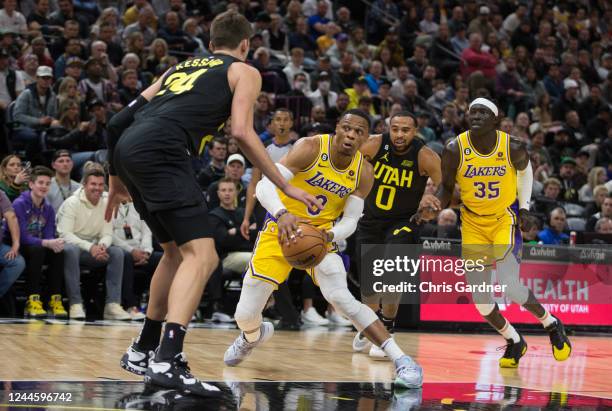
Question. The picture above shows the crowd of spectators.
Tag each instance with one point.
(66, 66)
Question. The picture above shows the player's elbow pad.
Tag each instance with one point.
(266, 191)
(348, 223)
(524, 182)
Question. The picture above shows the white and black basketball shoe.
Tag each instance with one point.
(136, 360)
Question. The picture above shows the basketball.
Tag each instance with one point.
(309, 249)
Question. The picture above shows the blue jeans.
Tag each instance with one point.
(11, 269)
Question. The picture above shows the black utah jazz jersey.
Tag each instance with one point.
(398, 185)
(196, 96)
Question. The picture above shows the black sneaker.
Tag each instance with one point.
(136, 360)
(175, 374)
(561, 346)
(514, 352)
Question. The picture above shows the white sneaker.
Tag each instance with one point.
(77, 312)
(312, 317)
(361, 343)
(114, 311)
(338, 320)
(220, 317)
(136, 314)
(377, 353)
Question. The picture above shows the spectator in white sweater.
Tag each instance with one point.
(133, 236)
(88, 242)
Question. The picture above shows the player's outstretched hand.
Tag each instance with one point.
(525, 222)
(429, 208)
(117, 193)
(288, 229)
(311, 201)
(244, 229)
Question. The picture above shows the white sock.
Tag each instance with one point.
(547, 319)
(253, 335)
(392, 350)
(510, 333)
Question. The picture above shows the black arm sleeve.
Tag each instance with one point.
(118, 124)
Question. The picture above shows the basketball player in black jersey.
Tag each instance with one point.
(402, 165)
(151, 162)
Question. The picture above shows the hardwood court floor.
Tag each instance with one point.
(71, 352)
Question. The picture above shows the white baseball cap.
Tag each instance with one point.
(44, 71)
(236, 157)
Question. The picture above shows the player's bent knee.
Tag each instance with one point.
(485, 309)
(247, 319)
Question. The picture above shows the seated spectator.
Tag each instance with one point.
(28, 74)
(531, 235)
(553, 234)
(360, 89)
(11, 262)
(333, 113)
(551, 198)
(603, 226)
(174, 35)
(146, 18)
(94, 86)
(99, 53)
(295, 100)
(234, 250)
(323, 95)
(411, 100)
(234, 170)
(35, 110)
(215, 169)
(597, 176)
(606, 211)
(446, 226)
(11, 20)
(346, 74)
(88, 242)
(40, 246)
(62, 186)
(317, 123)
(600, 193)
(157, 51)
(129, 87)
(295, 66)
(300, 38)
(477, 59)
(571, 181)
(133, 236)
(567, 101)
(13, 177)
(73, 50)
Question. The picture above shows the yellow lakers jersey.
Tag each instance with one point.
(323, 180)
(487, 181)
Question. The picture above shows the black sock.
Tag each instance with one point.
(389, 323)
(149, 335)
(172, 343)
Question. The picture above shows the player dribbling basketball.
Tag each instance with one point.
(331, 168)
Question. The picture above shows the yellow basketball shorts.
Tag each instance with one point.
(491, 236)
(268, 263)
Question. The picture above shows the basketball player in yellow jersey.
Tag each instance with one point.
(493, 171)
(331, 168)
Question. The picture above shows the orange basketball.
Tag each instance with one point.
(309, 249)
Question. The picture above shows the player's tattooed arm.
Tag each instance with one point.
(371, 146)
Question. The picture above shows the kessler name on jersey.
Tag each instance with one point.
(392, 175)
(204, 62)
(319, 180)
(484, 171)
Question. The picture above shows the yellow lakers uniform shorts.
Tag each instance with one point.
(493, 236)
(268, 263)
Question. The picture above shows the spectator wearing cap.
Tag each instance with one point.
(359, 89)
(340, 46)
(570, 179)
(553, 234)
(459, 40)
(318, 22)
(234, 170)
(296, 65)
(62, 186)
(94, 86)
(10, 84)
(476, 59)
(606, 212)
(88, 242)
(30, 65)
(481, 24)
(73, 50)
(133, 236)
(411, 100)
(39, 245)
(323, 95)
(553, 82)
(35, 109)
(11, 20)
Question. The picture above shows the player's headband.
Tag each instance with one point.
(487, 103)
